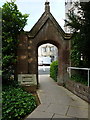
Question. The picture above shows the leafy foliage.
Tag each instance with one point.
(80, 25)
(79, 78)
(16, 103)
(54, 70)
(13, 22)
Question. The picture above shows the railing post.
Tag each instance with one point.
(69, 71)
(88, 77)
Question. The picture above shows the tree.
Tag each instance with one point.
(80, 25)
(85, 30)
(13, 22)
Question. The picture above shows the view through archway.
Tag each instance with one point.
(47, 53)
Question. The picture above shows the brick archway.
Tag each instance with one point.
(42, 42)
(46, 30)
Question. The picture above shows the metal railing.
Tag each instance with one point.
(76, 68)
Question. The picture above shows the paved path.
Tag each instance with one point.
(42, 70)
(58, 102)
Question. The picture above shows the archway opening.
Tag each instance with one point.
(47, 53)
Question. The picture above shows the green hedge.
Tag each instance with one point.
(54, 70)
(16, 103)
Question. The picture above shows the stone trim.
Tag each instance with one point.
(27, 79)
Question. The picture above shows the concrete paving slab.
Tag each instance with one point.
(58, 109)
(44, 98)
(77, 112)
(79, 104)
(60, 116)
(39, 114)
(76, 101)
(42, 107)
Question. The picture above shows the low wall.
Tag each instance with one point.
(80, 90)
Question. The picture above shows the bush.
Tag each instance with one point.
(16, 103)
(54, 70)
(79, 78)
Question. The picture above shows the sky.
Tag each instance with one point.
(35, 9)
